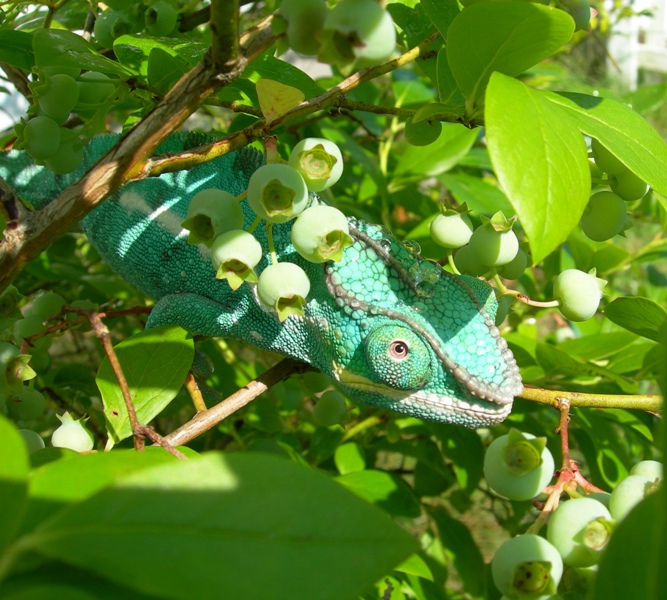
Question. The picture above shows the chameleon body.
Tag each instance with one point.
(394, 330)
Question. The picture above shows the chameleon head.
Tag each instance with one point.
(416, 340)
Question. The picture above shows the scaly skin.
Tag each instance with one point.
(394, 330)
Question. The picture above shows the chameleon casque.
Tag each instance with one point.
(393, 330)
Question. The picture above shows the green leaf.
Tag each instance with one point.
(540, 159)
(134, 50)
(622, 131)
(440, 156)
(468, 560)
(441, 13)
(416, 565)
(14, 467)
(480, 195)
(508, 37)
(269, 67)
(448, 90)
(16, 49)
(639, 315)
(349, 458)
(58, 48)
(383, 489)
(631, 565)
(466, 451)
(64, 482)
(252, 525)
(155, 363)
(164, 69)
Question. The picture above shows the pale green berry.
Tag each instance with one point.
(211, 213)
(580, 529)
(604, 216)
(578, 294)
(628, 186)
(283, 287)
(72, 434)
(527, 567)
(321, 233)
(605, 159)
(451, 230)
(319, 161)
(630, 492)
(235, 254)
(492, 247)
(277, 193)
(33, 441)
(518, 465)
(652, 469)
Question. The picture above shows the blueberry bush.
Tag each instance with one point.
(482, 135)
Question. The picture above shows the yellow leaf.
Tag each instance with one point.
(276, 99)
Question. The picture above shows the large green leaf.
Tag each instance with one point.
(58, 48)
(14, 468)
(622, 131)
(639, 315)
(16, 49)
(540, 159)
(64, 482)
(632, 565)
(440, 156)
(155, 363)
(508, 37)
(441, 13)
(383, 489)
(134, 50)
(235, 526)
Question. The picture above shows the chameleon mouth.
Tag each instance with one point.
(481, 410)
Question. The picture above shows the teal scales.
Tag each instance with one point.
(394, 331)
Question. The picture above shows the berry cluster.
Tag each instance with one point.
(352, 35)
(605, 215)
(519, 466)
(18, 398)
(277, 193)
(56, 93)
(493, 249)
(124, 16)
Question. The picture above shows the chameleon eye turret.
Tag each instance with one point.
(398, 358)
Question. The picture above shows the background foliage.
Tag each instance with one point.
(278, 506)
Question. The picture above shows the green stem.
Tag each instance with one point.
(269, 239)
(450, 262)
(254, 224)
(362, 426)
(650, 403)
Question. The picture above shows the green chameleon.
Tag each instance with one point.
(393, 330)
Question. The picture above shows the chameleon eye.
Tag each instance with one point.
(399, 349)
(397, 357)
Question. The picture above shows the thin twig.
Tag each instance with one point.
(207, 419)
(195, 392)
(651, 403)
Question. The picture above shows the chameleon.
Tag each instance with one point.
(393, 330)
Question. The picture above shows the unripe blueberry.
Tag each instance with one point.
(604, 216)
(321, 233)
(518, 465)
(451, 230)
(605, 159)
(284, 287)
(211, 213)
(72, 434)
(580, 530)
(277, 193)
(235, 254)
(527, 567)
(578, 293)
(630, 492)
(652, 469)
(319, 161)
(492, 247)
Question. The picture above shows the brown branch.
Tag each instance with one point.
(195, 392)
(207, 419)
(102, 332)
(19, 80)
(236, 140)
